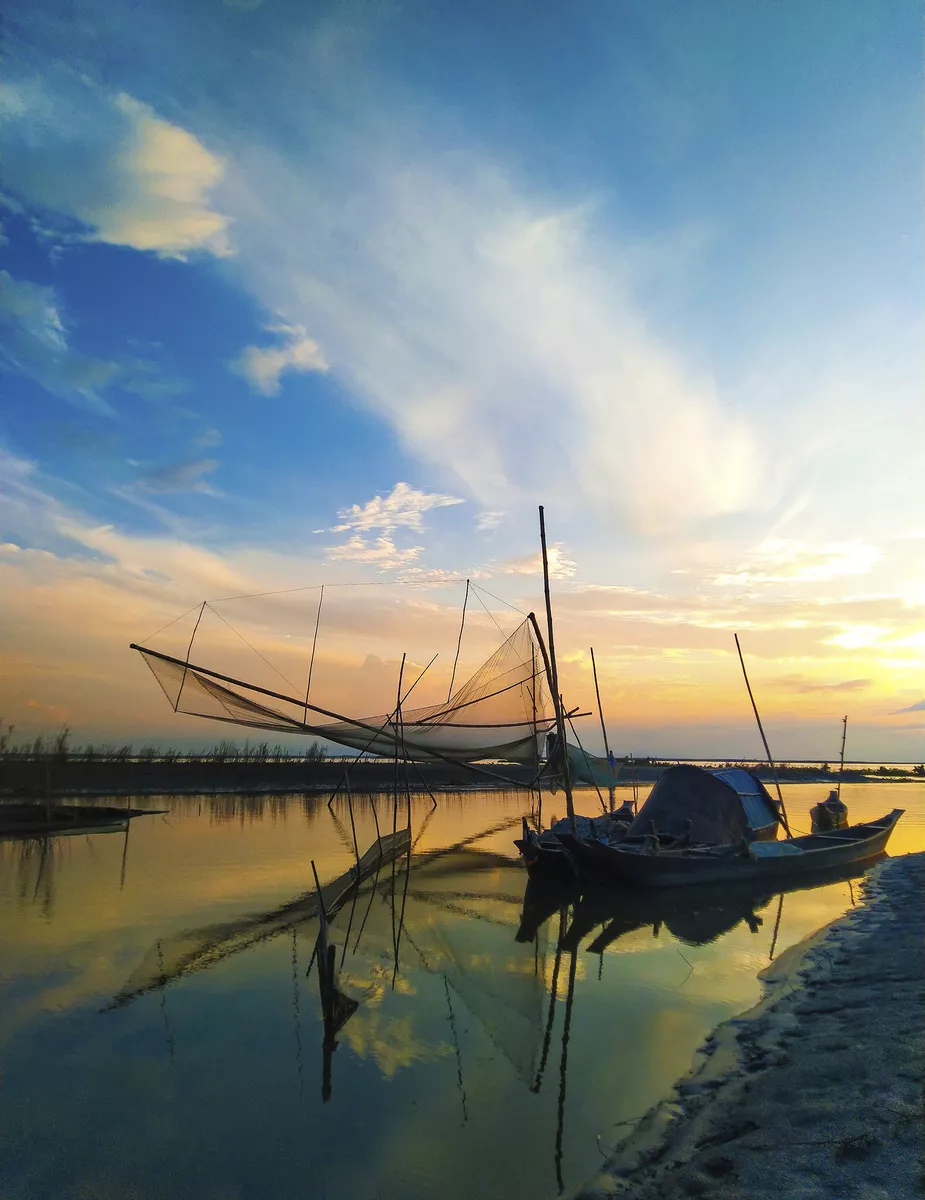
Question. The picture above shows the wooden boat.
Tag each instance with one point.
(642, 862)
(25, 820)
(688, 805)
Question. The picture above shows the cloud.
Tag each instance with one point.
(489, 520)
(403, 507)
(262, 366)
(499, 332)
(141, 377)
(379, 552)
(560, 565)
(110, 163)
(34, 342)
(210, 436)
(919, 706)
(180, 477)
(779, 560)
(799, 683)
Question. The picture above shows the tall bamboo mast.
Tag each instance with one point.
(767, 750)
(841, 769)
(597, 692)
(556, 698)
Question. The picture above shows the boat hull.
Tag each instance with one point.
(811, 854)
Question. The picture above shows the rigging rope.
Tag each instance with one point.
(207, 605)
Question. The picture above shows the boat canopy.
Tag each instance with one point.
(690, 799)
(758, 803)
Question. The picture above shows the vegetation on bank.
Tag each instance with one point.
(59, 749)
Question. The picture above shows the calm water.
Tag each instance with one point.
(478, 1064)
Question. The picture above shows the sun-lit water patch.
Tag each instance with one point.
(489, 1019)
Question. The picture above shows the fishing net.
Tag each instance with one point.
(497, 713)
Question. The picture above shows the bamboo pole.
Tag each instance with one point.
(311, 661)
(554, 681)
(841, 769)
(767, 749)
(597, 692)
(462, 625)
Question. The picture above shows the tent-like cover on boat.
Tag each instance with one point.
(711, 805)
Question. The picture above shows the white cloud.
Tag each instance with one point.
(262, 366)
(489, 520)
(560, 565)
(498, 333)
(112, 164)
(783, 560)
(380, 552)
(404, 506)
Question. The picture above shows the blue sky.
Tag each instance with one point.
(655, 266)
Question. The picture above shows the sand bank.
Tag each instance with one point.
(817, 1091)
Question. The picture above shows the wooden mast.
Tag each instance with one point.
(597, 692)
(767, 750)
(554, 681)
(841, 769)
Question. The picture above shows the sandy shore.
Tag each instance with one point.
(816, 1092)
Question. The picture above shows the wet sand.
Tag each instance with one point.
(818, 1090)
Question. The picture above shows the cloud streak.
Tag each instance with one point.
(498, 332)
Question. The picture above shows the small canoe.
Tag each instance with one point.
(639, 862)
(25, 820)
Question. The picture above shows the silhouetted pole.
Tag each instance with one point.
(841, 769)
(767, 750)
(556, 699)
(597, 692)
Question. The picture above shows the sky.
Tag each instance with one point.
(337, 293)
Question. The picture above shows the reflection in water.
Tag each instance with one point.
(470, 1012)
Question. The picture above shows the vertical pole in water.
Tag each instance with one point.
(397, 728)
(597, 692)
(536, 752)
(783, 810)
(556, 699)
(841, 769)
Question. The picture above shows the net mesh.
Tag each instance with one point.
(497, 713)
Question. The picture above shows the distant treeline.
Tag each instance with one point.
(52, 765)
(59, 748)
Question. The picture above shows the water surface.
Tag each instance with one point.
(494, 1051)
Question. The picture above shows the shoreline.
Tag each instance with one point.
(816, 1090)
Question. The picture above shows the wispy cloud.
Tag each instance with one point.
(488, 520)
(141, 181)
(180, 477)
(801, 683)
(498, 331)
(380, 552)
(560, 565)
(404, 507)
(34, 342)
(263, 366)
(780, 560)
(919, 706)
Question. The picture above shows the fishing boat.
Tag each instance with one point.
(689, 805)
(643, 861)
